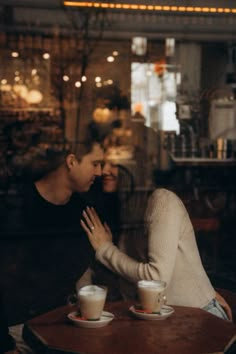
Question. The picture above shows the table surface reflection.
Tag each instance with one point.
(187, 330)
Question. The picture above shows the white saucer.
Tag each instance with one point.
(78, 321)
(166, 311)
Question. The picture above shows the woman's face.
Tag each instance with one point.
(110, 177)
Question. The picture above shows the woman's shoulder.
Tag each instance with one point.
(163, 198)
(164, 194)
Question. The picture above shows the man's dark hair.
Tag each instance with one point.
(45, 158)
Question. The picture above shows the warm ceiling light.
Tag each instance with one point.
(65, 78)
(110, 59)
(46, 56)
(97, 79)
(15, 54)
(78, 84)
(144, 7)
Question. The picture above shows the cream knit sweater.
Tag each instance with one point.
(165, 249)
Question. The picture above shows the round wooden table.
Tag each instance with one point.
(187, 330)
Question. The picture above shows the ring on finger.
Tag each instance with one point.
(91, 227)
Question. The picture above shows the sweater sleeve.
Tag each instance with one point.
(164, 215)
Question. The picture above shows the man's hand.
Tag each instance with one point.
(97, 233)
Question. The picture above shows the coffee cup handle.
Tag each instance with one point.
(72, 299)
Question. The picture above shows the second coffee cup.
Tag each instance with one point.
(91, 301)
(151, 295)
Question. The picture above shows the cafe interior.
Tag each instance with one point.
(160, 77)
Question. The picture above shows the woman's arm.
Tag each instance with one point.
(164, 224)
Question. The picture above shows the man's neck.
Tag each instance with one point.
(54, 189)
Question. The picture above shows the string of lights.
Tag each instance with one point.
(145, 7)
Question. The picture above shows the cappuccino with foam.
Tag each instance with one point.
(151, 294)
(91, 301)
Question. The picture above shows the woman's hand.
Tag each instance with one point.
(96, 231)
(225, 306)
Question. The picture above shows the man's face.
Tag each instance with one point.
(84, 172)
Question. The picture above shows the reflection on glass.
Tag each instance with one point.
(153, 93)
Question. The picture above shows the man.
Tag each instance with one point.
(53, 206)
(69, 172)
(54, 250)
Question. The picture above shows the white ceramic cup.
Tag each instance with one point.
(151, 294)
(91, 301)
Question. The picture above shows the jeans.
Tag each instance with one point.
(216, 309)
(16, 333)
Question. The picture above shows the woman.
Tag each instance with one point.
(106, 198)
(166, 250)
